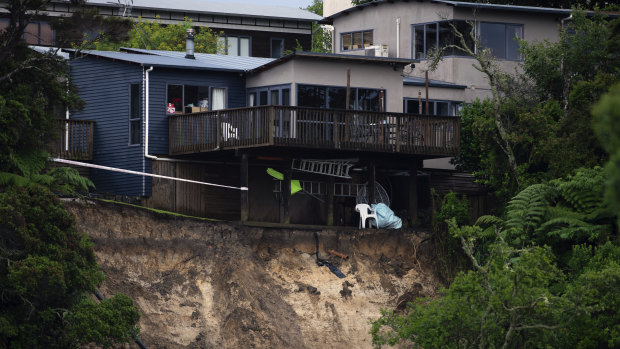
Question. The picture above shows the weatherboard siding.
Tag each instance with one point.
(104, 87)
(160, 78)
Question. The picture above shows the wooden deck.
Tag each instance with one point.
(284, 126)
(75, 140)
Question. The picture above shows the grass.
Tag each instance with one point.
(159, 211)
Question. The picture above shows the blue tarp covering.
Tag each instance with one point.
(385, 217)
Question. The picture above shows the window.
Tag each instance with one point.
(135, 114)
(277, 47)
(356, 40)
(501, 39)
(438, 35)
(439, 108)
(233, 46)
(334, 97)
(39, 34)
(274, 95)
(193, 99)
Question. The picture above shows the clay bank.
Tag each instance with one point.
(205, 284)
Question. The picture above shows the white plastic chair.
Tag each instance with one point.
(366, 212)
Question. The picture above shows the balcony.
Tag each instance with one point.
(286, 126)
(74, 141)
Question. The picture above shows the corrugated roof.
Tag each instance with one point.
(168, 61)
(223, 8)
(416, 81)
(549, 10)
(229, 62)
(337, 57)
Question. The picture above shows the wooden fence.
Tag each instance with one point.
(314, 128)
(74, 141)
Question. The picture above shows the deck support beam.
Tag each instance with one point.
(330, 200)
(245, 202)
(413, 191)
(286, 194)
(372, 181)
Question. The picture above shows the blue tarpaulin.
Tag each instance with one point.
(385, 217)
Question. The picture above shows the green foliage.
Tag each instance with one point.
(606, 115)
(537, 126)
(560, 214)
(544, 276)
(154, 35)
(46, 269)
(321, 37)
(106, 323)
(450, 258)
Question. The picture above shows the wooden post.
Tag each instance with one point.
(330, 201)
(347, 119)
(372, 179)
(413, 192)
(245, 202)
(426, 83)
(218, 130)
(271, 124)
(286, 194)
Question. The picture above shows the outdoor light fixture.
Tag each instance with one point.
(189, 44)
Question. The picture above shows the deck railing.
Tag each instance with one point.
(74, 141)
(314, 128)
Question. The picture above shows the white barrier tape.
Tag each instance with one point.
(85, 164)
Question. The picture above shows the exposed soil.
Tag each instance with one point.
(223, 285)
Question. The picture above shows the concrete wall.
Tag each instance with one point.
(331, 73)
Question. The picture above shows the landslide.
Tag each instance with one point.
(204, 284)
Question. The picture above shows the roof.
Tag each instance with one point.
(231, 62)
(416, 81)
(221, 8)
(548, 10)
(177, 60)
(337, 57)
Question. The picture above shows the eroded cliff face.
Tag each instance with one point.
(223, 285)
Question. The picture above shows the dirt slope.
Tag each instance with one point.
(223, 285)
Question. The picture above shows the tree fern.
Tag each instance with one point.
(526, 211)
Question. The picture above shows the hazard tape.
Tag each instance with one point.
(107, 168)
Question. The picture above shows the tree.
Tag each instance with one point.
(47, 269)
(606, 115)
(544, 275)
(321, 37)
(536, 124)
(154, 35)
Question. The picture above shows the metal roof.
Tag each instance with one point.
(172, 61)
(223, 8)
(416, 81)
(548, 10)
(337, 57)
(230, 62)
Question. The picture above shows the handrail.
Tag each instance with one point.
(74, 141)
(314, 128)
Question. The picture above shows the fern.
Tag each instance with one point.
(526, 211)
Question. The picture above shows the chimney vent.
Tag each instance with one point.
(189, 44)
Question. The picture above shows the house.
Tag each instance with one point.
(411, 29)
(227, 120)
(255, 30)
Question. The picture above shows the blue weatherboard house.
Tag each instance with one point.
(113, 85)
(332, 124)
